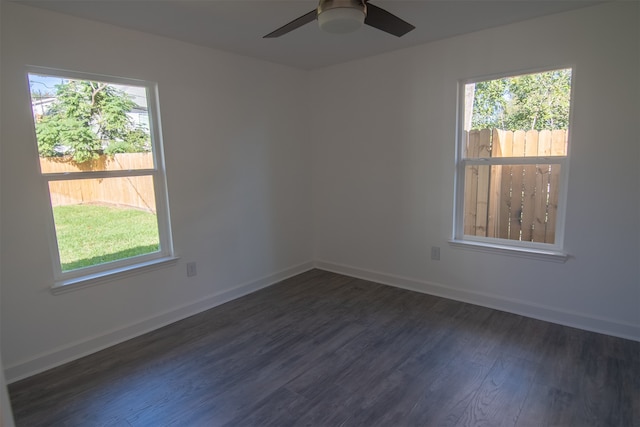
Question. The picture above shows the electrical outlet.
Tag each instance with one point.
(435, 253)
(191, 269)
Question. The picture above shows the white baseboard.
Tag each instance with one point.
(85, 347)
(524, 308)
(73, 351)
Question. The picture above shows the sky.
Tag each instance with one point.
(43, 84)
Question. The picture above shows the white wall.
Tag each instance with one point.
(237, 156)
(6, 415)
(384, 169)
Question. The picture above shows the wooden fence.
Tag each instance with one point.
(135, 191)
(518, 202)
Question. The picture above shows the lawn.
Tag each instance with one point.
(93, 234)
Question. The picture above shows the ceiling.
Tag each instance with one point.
(238, 25)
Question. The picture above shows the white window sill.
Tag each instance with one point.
(73, 284)
(531, 253)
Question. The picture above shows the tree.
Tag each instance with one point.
(533, 101)
(88, 119)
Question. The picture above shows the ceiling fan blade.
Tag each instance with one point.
(296, 23)
(386, 21)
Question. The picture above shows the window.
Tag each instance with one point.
(512, 161)
(101, 161)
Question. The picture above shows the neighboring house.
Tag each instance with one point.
(40, 106)
(139, 116)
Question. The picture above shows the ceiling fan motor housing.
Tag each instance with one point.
(341, 16)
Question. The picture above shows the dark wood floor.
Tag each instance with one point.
(322, 349)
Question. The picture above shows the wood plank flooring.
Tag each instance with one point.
(322, 349)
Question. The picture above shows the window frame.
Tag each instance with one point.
(543, 251)
(81, 277)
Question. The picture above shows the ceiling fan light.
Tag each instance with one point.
(341, 20)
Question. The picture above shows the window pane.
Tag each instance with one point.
(90, 122)
(531, 106)
(104, 220)
(516, 202)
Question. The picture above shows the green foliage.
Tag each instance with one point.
(57, 131)
(532, 101)
(490, 104)
(87, 119)
(136, 141)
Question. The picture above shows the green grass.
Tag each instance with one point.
(91, 234)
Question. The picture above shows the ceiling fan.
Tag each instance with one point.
(343, 16)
